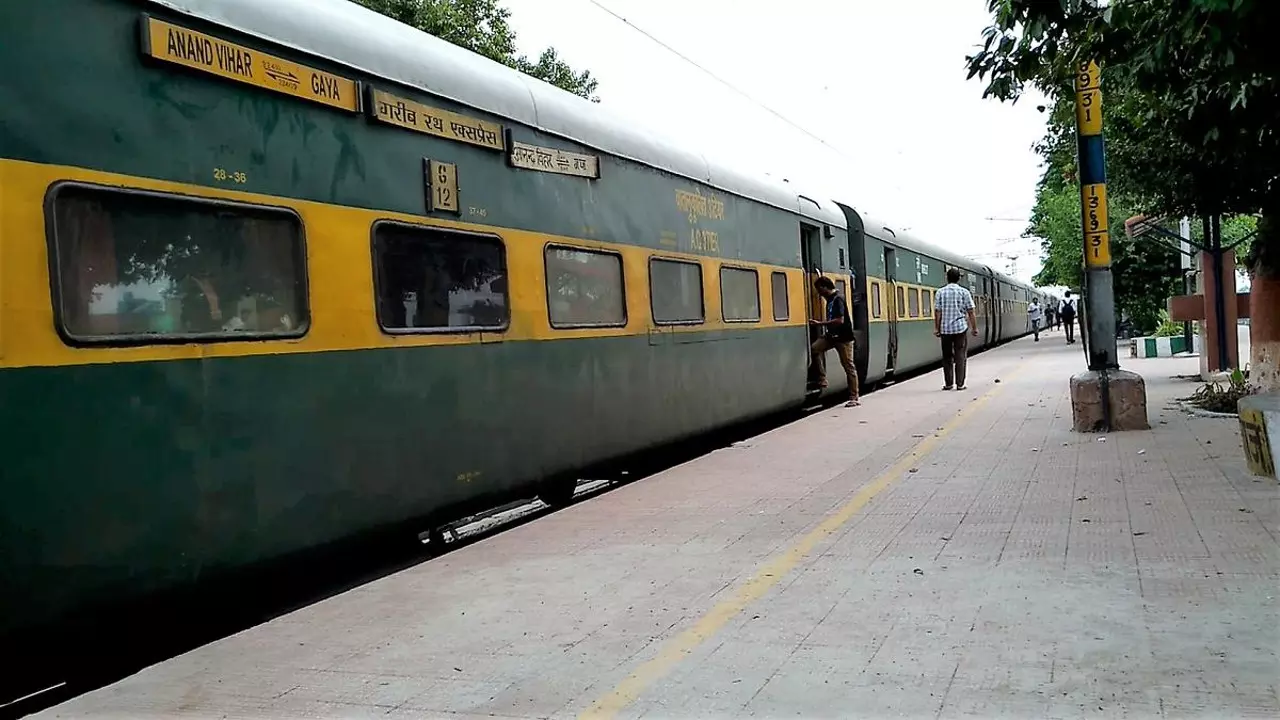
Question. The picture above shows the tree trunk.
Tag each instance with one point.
(1264, 304)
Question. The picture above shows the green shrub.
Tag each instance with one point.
(1167, 327)
(1216, 398)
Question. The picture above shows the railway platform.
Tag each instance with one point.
(929, 554)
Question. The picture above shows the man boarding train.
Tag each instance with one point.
(837, 335)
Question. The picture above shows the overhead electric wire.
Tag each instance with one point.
(717, 78)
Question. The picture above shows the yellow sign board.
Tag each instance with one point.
(1088, 76)
(442, 184)
(394, 110)
(1089, 112)
(1097, 249)
(174, 44)
(1088, 83)
(1093, 198)
(1257, 447)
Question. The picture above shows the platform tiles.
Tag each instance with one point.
(929, 554)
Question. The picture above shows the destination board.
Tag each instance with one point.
(394, 110)
(553, 160)
(181, 46)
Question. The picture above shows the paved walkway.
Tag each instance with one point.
(929, 554)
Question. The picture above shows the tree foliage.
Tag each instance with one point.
(1191, 97)
(1146, 272)
(482, 26)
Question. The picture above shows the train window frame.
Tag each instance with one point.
(926, 303)
(785, 295)
(759, 309)
(702, 292)
(913, 294)
(900, 301)
(622, 279)
(877, 303)
(425, 227)
(300, 256)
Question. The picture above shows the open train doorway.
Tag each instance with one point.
(815, 308)
(999, 317)
(891, 278)
(988, 318)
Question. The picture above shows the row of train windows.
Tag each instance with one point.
(152, 266)
(911, 302)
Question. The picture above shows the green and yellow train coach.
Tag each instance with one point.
(901, 274)
(277, 274)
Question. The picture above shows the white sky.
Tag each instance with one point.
(881, 80)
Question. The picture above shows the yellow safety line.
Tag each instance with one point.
(769, 575)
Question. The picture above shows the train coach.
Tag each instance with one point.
(900, 275)
(277, 274)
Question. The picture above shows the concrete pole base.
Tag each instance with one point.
(1128, 401)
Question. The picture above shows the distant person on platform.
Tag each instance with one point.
(952, 318)
(1050, 313)
(1068, 314)
(838, 335)
(1035, 314)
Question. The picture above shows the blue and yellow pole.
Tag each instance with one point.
(1099, 294)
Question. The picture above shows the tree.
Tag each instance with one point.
(1146, 272)
(481, 26)
(552, 69)
(1192, 102)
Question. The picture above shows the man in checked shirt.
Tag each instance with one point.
(952, 319)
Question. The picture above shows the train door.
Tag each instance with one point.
(988, 316)
(999, 318)
(891, 277)
(815, 308)
(859, 301)
(811, 255)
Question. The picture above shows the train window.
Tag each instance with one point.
(876, 309)
(675, 292)
(143, 267)
(902, 301)
(913, 298)
(739, 295)
(926, 303)
(781, 301)
(434, 280)
(584, 288)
